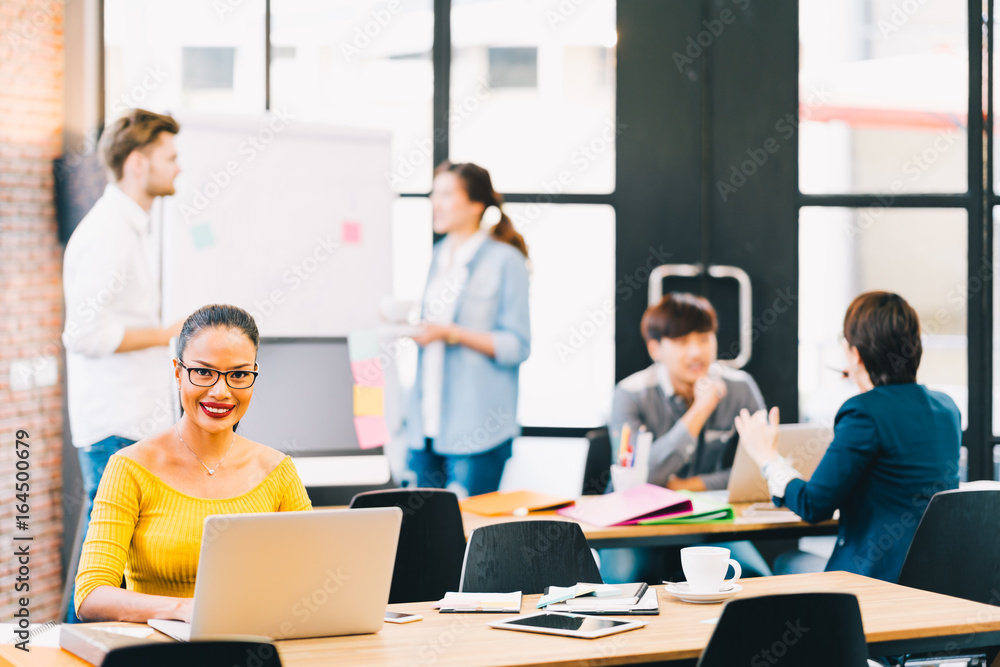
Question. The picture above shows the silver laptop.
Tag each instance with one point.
(803, 444)
(285, 575)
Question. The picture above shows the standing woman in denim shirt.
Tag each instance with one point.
(475, 334)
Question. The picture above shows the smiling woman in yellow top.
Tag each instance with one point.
(154, 495)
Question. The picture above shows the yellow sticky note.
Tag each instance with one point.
(368, 401)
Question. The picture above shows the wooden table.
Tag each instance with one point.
(896, 620)
(669, 534)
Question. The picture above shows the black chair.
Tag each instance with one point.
(431, 542)
(195, 654)
(527, 556)
(597, 470)
(816, 629)
(956, 548)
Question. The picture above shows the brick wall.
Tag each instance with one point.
(31, 305)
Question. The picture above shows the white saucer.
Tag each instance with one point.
(683, 592)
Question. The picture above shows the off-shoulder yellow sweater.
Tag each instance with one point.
(151, 533)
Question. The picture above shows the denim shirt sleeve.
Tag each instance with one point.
(512, 332)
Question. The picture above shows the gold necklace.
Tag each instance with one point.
(211, 471)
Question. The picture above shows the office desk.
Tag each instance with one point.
(667, 534)
(896, 620)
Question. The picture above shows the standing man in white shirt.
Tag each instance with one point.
(117, 361)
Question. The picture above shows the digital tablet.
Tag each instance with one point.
(570, 625)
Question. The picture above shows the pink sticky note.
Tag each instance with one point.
(371, 431)
(350, 232)
(368, 373)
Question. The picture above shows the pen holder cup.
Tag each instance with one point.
(624, 478)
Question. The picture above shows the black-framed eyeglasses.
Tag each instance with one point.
(207, 377)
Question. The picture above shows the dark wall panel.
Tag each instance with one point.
(701, 83)
(658, 156)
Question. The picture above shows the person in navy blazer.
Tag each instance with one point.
(895, 444)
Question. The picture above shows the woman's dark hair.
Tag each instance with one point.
(479, 188)
(213, 316)
(217, 315)
(886, 332)
(678, 314)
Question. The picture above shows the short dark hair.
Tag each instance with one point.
(134, 131)
(886, 332)
(216, 315)
(678, 314)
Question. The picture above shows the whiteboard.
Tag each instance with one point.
(288, 220)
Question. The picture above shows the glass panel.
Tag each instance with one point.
(184, 55)
(533, 93)
(920, 254)
(883, 96)
(360, 63)
(569, 378)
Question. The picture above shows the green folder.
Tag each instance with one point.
(703, 510)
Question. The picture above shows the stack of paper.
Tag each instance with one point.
(564, 593)
(486, 603)
(636, 598)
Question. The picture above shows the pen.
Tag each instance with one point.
(625, 449)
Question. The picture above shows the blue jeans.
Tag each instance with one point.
(463, 474)
(93, 460)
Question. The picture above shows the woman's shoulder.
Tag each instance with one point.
(896, 399)
(266, 461)
(502, 252)
(147, 453)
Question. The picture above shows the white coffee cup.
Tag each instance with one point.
(705, 568)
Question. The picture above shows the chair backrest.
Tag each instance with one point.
(816, 629)
(162, 654)
(431, 542)
(956, 548)
(597, 470)
(527, 556)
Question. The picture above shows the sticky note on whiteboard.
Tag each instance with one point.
(202, 236)
(368, 373)
(362, 345)
(350, 232)
(371, 431)
(368, 401)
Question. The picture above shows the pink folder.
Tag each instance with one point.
(623, 508)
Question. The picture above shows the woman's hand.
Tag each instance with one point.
(429, 333)
(759, 434)
(185, 609)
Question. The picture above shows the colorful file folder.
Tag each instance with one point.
(622, 508)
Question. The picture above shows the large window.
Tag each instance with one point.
(528, 92)
(889, 200)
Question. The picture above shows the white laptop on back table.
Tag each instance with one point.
(286, 575)
(803, 444)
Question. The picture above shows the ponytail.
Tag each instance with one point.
(504, 231)
(479, 188)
